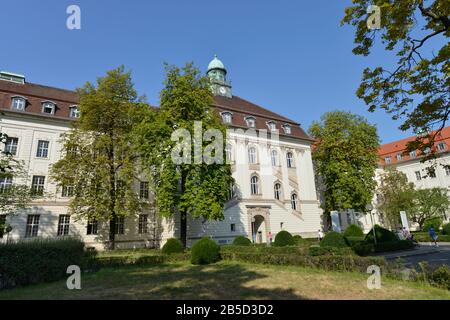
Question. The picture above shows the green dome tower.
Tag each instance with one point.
(218, 76)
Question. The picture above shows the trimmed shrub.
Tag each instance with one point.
(351, 241)
(29, 262)
(363, 248)
(172, 245)
(205, 251)
(436, 223)
(283, 239)
(353, 230)
(394, 246)
(333, 239)
(298, 239)
(330, 251)
(382, 234)
(242, 241)
(446, 229)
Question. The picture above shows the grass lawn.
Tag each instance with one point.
(225, 280)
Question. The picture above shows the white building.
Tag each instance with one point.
(275, 188)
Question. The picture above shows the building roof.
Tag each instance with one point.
(399, 147)
(64, 99)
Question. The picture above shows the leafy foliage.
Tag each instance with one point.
(241, 241)
(172, 245)
(395, 194)
(333, 239)
(205, 251)
(345, 158)
(98, 159)
(418, 88)
(430, 204)
(198, 189)
(435, 223)
(353, 230)
(283, 239)
(382, 235)
(446, 229)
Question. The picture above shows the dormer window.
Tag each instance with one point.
(226, 117)
(441, 147)
(74, 112)
(48, 107)
(287, 129)
(18, 103)
(272, 125)
(251, 122)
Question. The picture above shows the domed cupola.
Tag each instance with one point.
(218, 76)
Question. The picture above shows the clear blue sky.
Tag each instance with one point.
(289, 56)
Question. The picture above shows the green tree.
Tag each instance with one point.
(430, 203)
(193, 188)
(417, 89)
(395, 194)
(345, 158)
(99, 161)
(15, 195)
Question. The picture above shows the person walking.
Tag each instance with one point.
(320, 235)
(433, 236)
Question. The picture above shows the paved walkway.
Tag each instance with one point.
(435, 256)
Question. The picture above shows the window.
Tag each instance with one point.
(413, 154)
(418, 176)
(42, 149)
(226, 117)
(274, 157)
(119, 227)
(228, 152)
(387, 160)
(74, 112)
(294, 201)
(37, 185)
(2, 224)
(252, 155)
(287, 129)
(251, 122)
(67, 191)
(92, 227)
(277, 190)
(432, 173)
(144, 190)
(290, 159)
(272, 125)
(32, 228)
(11, 145)
(63, 225)
(447, 170)
(441, 147)
(18, 103)
(48, 108)
(233, 227)
(143, 224)
(399, 157)
(427, 150)
(232, 190)
(254, 185)
(5, 184)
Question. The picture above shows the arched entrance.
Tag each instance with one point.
(259, 224)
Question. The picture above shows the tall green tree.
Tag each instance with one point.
(417, 88)
(345, 157)
(99, 161)
(395, 194)
(194, 187)
(430, 203)
(15, 195)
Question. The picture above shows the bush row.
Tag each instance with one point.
(120, 261)
(425, 237)
(266, 249)
(31, 262)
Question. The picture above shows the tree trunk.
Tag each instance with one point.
(183, 229)
(112, 233)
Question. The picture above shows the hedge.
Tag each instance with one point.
(331, 251)
(326, 262)
(394, 246)
(120, 261)
(333, 239)
(29, 262)
(382, 234)
(283, 239)
(425, 237)
(266, 250)
(242, 241)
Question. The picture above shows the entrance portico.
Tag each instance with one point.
(259, 223)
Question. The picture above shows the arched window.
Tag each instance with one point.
(274, 157)
(294, 201)
(252, 159)
(290, 159)
(229, 152)
(251, 122)
(48, 107)
(226, 117)
(254, 185)
(277, 191)
(18, 103)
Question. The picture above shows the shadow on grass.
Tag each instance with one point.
(172, 281)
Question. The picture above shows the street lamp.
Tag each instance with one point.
(369, 208)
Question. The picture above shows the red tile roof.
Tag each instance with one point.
(399, 147)
(64, 99)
